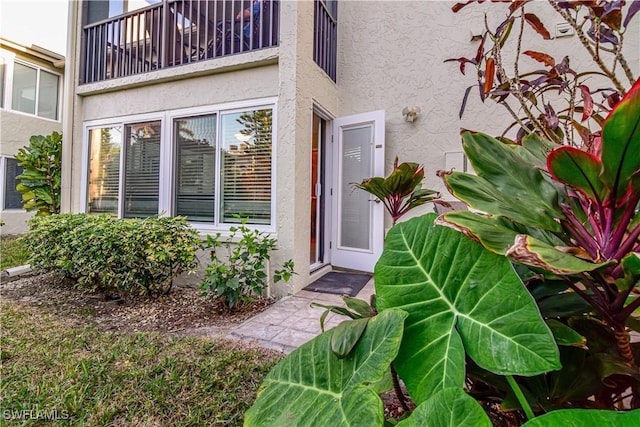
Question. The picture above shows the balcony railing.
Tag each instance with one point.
(326, 37)
(176, 32)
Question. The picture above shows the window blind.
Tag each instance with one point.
(195, 167)
(142, 170)
(246, 167)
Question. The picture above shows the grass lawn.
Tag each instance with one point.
(12, 253)
(87, 377)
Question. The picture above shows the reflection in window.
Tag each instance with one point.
(246, 166)
(195, 167)
(35, 91)
(104, 170)
(24, 89)
(48, 96)
(12, 198)
(142, 170)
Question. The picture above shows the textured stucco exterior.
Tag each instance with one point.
(390, 55)
(16, 128)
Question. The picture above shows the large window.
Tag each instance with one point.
(12, 199)
(29, 89)
(34, 91)
(214, 167)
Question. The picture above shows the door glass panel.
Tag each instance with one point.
(356, 208)
(317, 198)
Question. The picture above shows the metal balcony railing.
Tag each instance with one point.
(176, 32)
(326, 37)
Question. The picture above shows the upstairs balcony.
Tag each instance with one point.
(176, 32)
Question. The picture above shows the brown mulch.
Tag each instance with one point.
(183, 312)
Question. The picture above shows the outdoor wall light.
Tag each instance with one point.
(410, 113)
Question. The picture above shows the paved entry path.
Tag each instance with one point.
(291, 322)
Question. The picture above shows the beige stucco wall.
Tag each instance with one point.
(391, 55)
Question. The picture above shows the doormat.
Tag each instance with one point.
(339, 283)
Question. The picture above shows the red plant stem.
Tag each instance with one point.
(610, 291)
(595, 304)
(604, 298)
(581, 234)
(629, 243)
(626, 312)
(595, 225)
(626, 218)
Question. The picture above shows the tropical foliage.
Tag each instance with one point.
(401, 191)
(40, 181)
(238, 273)
(480, 336)
(571, 216)
(557, 101)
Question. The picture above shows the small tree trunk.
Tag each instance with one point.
(623, 344)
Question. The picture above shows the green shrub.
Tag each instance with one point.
(102, 252)
(39, 184)
(242, 273)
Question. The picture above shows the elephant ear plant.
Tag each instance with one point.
(571, 215)
(468, 338)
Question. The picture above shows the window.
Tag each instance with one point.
(213, 167)
(196, 163)
(104, 169)
(142, 169)
(12, 198)
(29, 89)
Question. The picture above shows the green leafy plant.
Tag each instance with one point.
(240, 272)
(39, 184)
(137, 256)
(474, 332)
(571, 215)
(401, 191)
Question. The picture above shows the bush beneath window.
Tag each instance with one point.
(240, 272)
(137, 256)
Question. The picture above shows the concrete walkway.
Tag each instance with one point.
(291, 322)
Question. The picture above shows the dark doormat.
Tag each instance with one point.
(339, 283)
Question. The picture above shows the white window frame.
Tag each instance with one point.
(9, 61)
(168, 148)
(3, 174)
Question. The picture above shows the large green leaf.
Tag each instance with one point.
(451, 407)
(531, 251)
(535, 150)
(621, 141)
(586, 417)
(312, 386)
(460, 297)
(490, 231)
(521, 186)
(579, 169)
(482, 194)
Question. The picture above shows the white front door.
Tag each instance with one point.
(357, 219)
